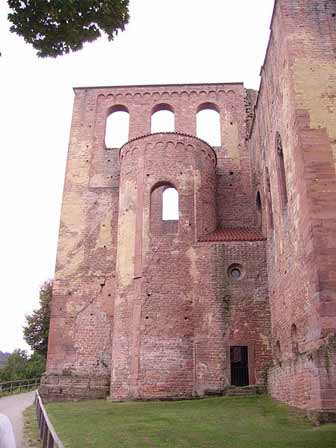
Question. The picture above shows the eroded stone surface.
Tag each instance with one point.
(145, 308)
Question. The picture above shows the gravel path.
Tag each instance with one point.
(13, 406)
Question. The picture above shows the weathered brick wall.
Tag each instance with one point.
(233, 102)
(297, 101)
(81, 316)
(177, 311)
(141, 307)
(152, 347)
(230, 312)
(134, 296)
(308, 381)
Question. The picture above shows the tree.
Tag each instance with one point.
(35, 366)
(56, 27)
(15, 366)
(3, 357)
(19, 366)
(36, 331)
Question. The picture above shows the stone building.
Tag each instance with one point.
(238, 287)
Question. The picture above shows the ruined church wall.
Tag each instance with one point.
(233, 196)
(152, 345)
(85, 280)
(177, 310)
(230, 312)
(135, 296)
(79, 351)
(296, 102)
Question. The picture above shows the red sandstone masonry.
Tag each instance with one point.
(136, 296)
(147, 309)
(298, 91)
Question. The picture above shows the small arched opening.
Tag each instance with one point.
(164, 209)
(170, 206)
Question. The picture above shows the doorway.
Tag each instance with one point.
(239, 365)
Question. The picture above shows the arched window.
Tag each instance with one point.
(281, 171)
(294, 339)
(163, 119)
(170, 206)
(164, 209)
(208, 124)
(259, 210)
(330, 11)
(269, 200)
(117, 127)
(277, 352)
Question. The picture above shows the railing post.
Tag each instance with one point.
(48, 436)
(37, 404)
(41, 425)
(41, 416)
(45, 435)
(50, 441)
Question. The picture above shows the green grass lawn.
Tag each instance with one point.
(256, 422)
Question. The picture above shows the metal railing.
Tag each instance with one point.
(15, 387)
(48, 436)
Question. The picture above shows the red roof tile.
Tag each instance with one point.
(232, 234)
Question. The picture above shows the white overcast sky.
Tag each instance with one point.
(171, 41)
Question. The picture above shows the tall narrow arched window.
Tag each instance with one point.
(170, 204)
(281, 171)
(163, 118)
(330, 12)
(259, 210)
(269, 200)
(117, 127)
(277, 352)
(294, 339)
(208, 124)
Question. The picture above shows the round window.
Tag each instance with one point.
(235, 271)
